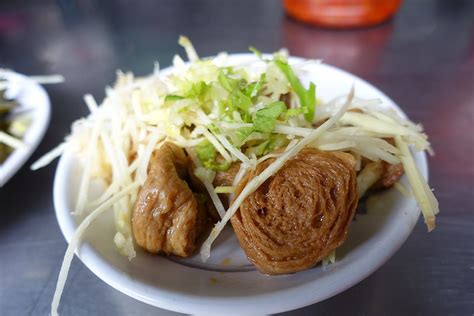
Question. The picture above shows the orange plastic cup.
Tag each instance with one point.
(342, 13)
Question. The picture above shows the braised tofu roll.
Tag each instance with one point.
(299, 215)
(168, 217)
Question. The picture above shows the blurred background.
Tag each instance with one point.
(423, 58)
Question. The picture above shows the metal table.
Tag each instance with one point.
(423, 59)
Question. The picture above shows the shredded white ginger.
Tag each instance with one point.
(224, 189)
(402, 189)
(330, 259)
(9, 80)
(76, 238)
(221, 113)
(367, 177)
(11, 141)
(423, 194)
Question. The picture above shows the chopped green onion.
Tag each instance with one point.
(205, 151)
(256, 52)
(224, 82)
(240, 100)
(254, 88)
(242, 134)
(207, 154)
(172, 98)
(307, 97)
(265, 118)
(295, 112)
(199, 89)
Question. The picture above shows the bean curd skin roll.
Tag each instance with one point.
(299, 215)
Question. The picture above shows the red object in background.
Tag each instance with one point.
(361, 52)
(342, 13)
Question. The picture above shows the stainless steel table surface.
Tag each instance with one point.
(423, 59)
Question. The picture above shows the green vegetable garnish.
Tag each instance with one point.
(205, 151)
(256, 52)
(224, 81)
(198, 89)
(307, 97)
(293, 112)
(207, 155)
(242, 134)
(254, 88)
(172, 98)
(240, 100)
(264, 122)
(232, 95)
(265, 118)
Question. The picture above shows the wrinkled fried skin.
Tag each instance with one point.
(226, 178)
(299, 215)
(167, 217)
(390, 175)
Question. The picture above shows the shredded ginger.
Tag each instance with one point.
(221, 113)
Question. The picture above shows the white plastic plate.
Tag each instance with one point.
(227, 284)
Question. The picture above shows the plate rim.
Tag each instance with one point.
(185, 303)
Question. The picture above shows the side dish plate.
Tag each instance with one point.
(227, 284)
(33, 97)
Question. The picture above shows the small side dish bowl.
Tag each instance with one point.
(31, 97)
